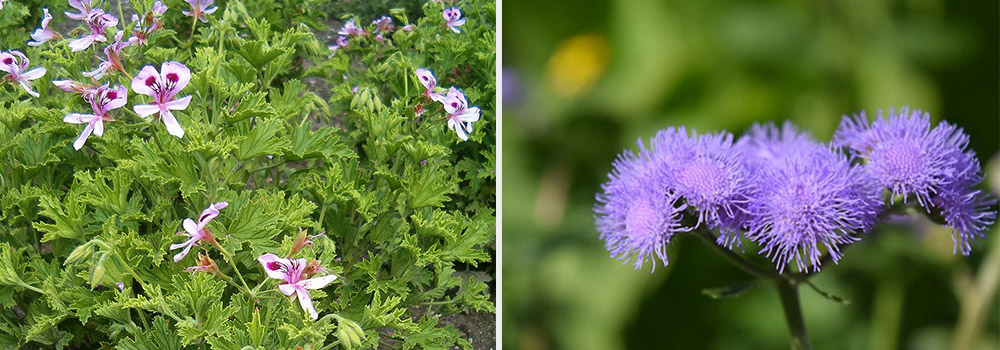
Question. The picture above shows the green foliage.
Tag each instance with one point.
(405, 208)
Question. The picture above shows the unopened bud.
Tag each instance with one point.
(205, 264)
(312, 267)
(97, 274)
(302, 241)
(79, 254)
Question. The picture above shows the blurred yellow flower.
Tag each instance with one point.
(577, 63)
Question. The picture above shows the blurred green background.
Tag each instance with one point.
(583, 79)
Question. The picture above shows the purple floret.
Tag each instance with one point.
(910, 158)
(637, 213)
(904, 153)
(711, 177)
(811, 197)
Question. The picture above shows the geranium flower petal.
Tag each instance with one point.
(178, 104)
(78, 144)
(146, 110)
(173, 127)
(143, 82)
(77, 118)
(190, 227)
(274, 266)
(306, 302)
(317, 282)
(176, 76)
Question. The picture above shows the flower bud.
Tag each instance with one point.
(79, 254)
(312, 267)
(302, 241)
(205, 264)
(97, 274)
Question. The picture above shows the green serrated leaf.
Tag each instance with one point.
(263, 140)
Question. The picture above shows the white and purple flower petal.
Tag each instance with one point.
(43, 34)
(84, 6)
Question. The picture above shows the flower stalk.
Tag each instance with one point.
(787, 285)
(789, 293)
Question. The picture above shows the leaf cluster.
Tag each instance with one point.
(405, 208)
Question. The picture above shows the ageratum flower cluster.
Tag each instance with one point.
(797, 199)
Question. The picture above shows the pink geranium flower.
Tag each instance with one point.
(147, 24)
(351, 29)
(15, 64)
(453, 16)
(426, 78)
(98, 22)
(159, 8)
(84, 6)
(162, 86)
(113, 54)
(384, 24)
(460, 115)
(198, 232)
(294, 275)
(102, 101)
(43, 34)
(200, 8)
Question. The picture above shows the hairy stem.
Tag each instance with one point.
(121, 14)
(196, 13)
(793, 314)
(33, 288)
(229, 259)
(787, 289)
(128, 268)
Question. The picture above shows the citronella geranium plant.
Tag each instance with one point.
(348, 222)
(779, 193)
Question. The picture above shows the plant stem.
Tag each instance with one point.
(196, 13)
(121, 15)
(146, 287)
(789, 294)
(976, 299)
(33, 288)
(262, 282)
(156, 138)
(229, 259)
(787, 289)
(736, 259)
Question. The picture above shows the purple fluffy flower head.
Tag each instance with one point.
(708, 173)
(904, 153)
(967, 210)
(910, 158)
(810, 197)
(637, 213)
